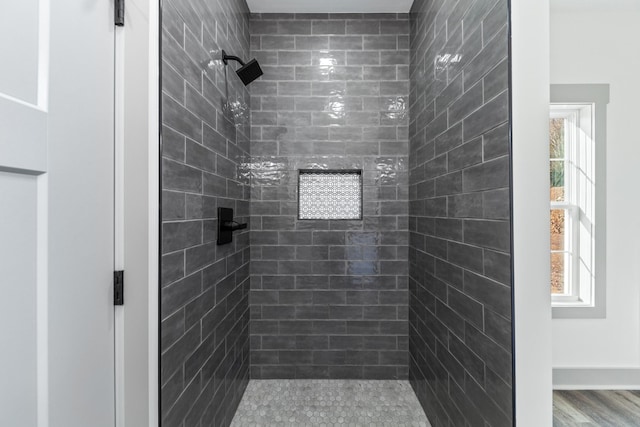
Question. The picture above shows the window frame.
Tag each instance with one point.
(572, 114)
(573, 304)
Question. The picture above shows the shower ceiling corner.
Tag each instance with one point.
(330, 6)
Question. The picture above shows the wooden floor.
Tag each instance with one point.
(597, 408)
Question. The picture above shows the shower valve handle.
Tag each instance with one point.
(233, 226)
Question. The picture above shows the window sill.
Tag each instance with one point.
(568, 301)
(577, 310)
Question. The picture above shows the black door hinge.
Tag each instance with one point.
(119, 13)
(118, 288)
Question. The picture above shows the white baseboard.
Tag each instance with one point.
(596, 378)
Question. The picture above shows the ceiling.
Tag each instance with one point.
(330, 6)
(604, 5)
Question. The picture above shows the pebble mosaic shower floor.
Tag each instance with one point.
(329, 403)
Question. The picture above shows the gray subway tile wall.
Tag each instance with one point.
(329, 298)
(205, 149)
(459, 255)
(420, 288)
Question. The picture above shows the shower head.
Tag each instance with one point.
(248, 72)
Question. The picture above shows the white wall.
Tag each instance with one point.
(138, 149)
(530, 125)
(599, 42)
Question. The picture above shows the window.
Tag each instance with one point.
(576, 177)
(570, 155)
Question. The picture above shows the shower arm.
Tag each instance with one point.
(226, 58)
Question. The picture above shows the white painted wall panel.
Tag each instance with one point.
(532, 301)
(18, 326)
(19, 70)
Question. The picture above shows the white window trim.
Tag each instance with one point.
(598, 95)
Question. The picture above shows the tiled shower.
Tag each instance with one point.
(418, 287)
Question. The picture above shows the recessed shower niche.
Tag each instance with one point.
(329, 194)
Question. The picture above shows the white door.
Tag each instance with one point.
(56, 213)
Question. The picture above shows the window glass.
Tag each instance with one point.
(557, 229)
(558, 163)
(557, 273)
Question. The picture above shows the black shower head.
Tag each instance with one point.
(248, 72)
